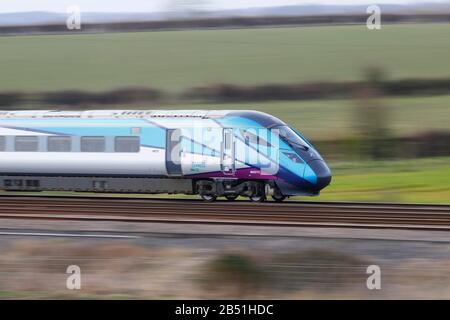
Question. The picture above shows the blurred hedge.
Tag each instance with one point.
(428, 144)
(79, 99)
(222, 93)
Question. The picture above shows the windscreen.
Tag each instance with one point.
(291, 137)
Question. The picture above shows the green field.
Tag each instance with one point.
(176, 60)
(418, 180)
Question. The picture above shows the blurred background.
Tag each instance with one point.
(376, 103)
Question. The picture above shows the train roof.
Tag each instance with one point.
(263, 119)
(108, 114)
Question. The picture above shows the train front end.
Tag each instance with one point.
(303, 171)
(300, 169)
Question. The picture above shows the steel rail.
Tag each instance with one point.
(292, 213)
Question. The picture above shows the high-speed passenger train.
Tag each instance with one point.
(209, 153)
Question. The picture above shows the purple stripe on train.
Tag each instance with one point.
(252, 173)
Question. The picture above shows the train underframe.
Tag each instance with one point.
(255, 190)
(208, 189)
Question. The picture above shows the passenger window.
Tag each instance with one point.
(92, 144)
(26, 143)
(2, 143)
(127, 144)
(59, 144)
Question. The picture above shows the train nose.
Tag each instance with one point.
(322, 172)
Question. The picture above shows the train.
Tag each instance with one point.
(210, 153)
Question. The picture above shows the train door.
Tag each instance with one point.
(173, 152)
(227, 158)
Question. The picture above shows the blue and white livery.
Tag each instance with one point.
(207, 152)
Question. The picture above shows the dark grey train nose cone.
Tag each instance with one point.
(322, 172)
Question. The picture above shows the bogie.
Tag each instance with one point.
(231, 189)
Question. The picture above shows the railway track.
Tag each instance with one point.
(294, 213)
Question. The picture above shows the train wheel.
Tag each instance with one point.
(278, 197)
(231, 198)
(208, 197)
(258, 198)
